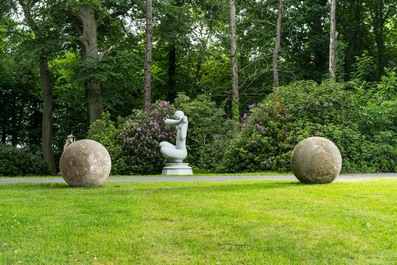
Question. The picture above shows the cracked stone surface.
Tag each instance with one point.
(316, 160)
(85, 163)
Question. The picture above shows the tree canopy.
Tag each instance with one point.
(89, 55)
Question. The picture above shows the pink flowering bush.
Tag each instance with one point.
(141, 136)
(271, 130)
(262, 136)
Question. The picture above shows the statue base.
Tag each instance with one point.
(177, 169)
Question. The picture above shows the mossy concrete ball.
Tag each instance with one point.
(316, 160)
(85, 163)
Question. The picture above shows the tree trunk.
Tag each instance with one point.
(16, 126)
(380, 51)
(332, 42)
(320, 54)
(46, 133)
(200, 59)
(45, 78)
(94, 100)
(148, 58)
(277, 45)
(233, 58)
(4, 134)
(172, 71)
(358, 32)
(88, 38)
(379, 18)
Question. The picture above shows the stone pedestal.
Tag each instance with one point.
(177, 169)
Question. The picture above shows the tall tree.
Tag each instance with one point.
(89, 39)
(20, 98)
(365, 27)
(42, 44)
(307, 41)
(381, 11)
(319, 44)
(233, 59)
(332, 41)
(89, 16)
(147, 83)
(48, 106)
(353, 31)
(171, 51)
(277, 44)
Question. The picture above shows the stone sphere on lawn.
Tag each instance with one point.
(316, 160)
(85, 163)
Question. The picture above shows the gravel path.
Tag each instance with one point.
(191, 178)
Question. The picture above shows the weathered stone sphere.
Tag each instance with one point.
(316, 160)
(85, 163)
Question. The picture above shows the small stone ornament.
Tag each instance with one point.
(316, 160)
(69, 140)
(85, 163)
(175, 154)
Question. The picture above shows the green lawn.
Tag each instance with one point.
(246, 222)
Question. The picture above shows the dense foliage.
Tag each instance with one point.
(361, 122)
(378, 105)
(208, 132)
(141, 136)
(191, 55)
(107, 132)
(304, 109)
(19, 162)
(134, 143)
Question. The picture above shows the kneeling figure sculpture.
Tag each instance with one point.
(175, 154)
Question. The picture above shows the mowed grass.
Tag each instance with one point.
(245, 222)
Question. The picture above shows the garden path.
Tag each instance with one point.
(8, 180)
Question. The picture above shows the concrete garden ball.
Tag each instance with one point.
(316, 160)
(85, 163)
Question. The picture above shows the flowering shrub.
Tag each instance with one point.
(263, 142)
(290, 114)
(141, 136)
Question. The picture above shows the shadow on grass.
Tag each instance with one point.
(41, 186)
(212, 187)
(166, 187)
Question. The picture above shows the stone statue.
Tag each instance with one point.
(69, 140)
(175, 154)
